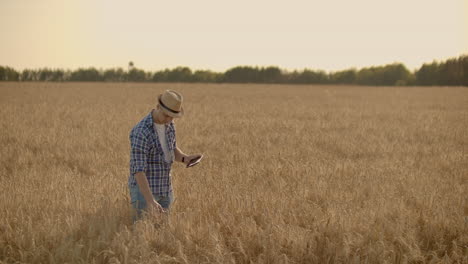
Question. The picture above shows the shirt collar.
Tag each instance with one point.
(149, 120)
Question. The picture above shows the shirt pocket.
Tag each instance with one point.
(155, 154)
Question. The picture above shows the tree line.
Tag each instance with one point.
(453, 72)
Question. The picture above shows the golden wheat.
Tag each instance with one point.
(291, 174)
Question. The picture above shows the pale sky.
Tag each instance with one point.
(217, 35)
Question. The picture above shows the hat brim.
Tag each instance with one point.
(168, 111)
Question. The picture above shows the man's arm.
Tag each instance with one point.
(179, 155)
(138, 166)
(143, 185)
(186, 158)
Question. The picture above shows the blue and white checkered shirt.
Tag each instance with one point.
(146, 155)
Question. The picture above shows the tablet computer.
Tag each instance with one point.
(194, 161)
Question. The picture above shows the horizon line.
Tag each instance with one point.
(240, 65)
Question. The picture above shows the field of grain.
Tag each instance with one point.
(291, 174)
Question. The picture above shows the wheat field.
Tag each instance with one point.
(291, 174)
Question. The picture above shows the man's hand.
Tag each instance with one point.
(155, 208)
(188, 158)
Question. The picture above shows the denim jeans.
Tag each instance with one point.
(139, 203)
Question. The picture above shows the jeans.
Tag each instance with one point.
(139, 203)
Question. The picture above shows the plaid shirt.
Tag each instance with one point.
(146, 155)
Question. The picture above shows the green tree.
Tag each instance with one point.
(86, 75)
(271, 75)
(391, 74)
(463, 60)
(428, 74)
(28, 75)
(114, 75)
(8, 74)
(343, 77)
(453, 71)
(180, 74)
(205, 76)
(311, 77)
(161, 76)
(241, 74)
(136, 75)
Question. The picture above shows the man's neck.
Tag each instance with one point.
(154, 115)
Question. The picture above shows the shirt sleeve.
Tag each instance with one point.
(174, 142)
(138, 153)
(174, 146)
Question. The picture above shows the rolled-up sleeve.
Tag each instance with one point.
(172, 136)
(174, 144)
(138, 153)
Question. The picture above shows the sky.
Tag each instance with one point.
(217, 35)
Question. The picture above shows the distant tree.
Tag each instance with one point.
(311, 77)
(8, 74)
(46, 74)
(453, 71)
(395, 74)
(241, 74)
(271, 75)
(28, 75)
(180, 74)
(56, 75)
(343, 77)
(161, 76)
(86, 75)
(2, 73)
(114, 75)
(205, 76)
(428, 74)
(463, 61)
(136, 75)
(392, 74)
(148, 76)
(290, 77)
(247, 74)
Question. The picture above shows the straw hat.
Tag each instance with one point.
(171, 103)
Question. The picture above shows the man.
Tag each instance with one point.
(153, 150)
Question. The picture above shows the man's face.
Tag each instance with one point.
(162, 117)
(165, 118)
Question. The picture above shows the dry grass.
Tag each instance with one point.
(292, 174)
